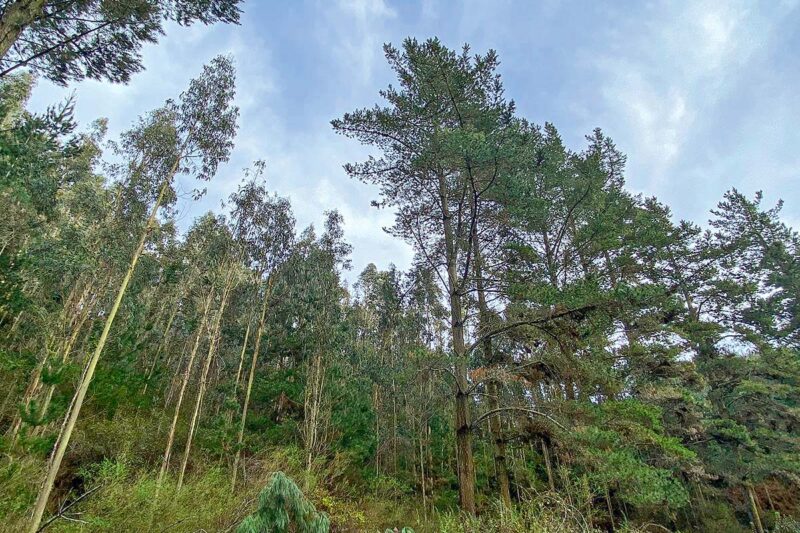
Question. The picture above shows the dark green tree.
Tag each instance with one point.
(66, 40)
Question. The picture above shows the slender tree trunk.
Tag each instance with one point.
(759, 527)
(212, 345)
(611, 510)
(548, 465)
(33, 387)
(162, 345)
(229, 414)
(187, 373)
(27, 397)
(250, 378)
(766, 489)
(491, 387)
(377, 429)
(16, 17)
(394, 425)
(241, 359)
(422, 475)
(176, 375)
(75, 408)
(67, 350)
(499, 444)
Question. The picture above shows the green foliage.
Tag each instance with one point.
(96, 39)
(628, 369)
(282, 507)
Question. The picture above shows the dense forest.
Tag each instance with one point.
(562, 355)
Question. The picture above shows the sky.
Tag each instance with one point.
(702, 96)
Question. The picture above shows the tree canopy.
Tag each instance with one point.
(561, 355)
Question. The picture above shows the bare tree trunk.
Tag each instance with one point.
(241, 359)
(375, 399)
(212, 345)
(759, 527)
(611, 510)
(465, 464)
(769, 498)
(75, 408)
(67, 350)
(173, 383)
(422, 474)
(394, 425)
(27, 397)
(250, 378)
(548, 465)
(187, 373)
(162, 345)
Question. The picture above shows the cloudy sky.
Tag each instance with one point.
(702, 96)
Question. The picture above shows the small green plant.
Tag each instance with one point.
(282, 506)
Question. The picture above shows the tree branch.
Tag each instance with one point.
(488, 414)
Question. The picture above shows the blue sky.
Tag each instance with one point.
(702, 96)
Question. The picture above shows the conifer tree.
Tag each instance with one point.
(282, 508)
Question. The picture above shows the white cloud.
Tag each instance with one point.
(355, 31)
(662, 78)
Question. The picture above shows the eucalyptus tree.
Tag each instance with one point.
(203, 256)
(440, 138)
(226, 272)
(308, 329)
(192, 135)
(67, 40)
(70, 254)
(323, 297)
(263, 227)
(381, 326)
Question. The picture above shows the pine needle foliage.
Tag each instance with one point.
(283, 507)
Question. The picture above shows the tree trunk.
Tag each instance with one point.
(759, 527)
(312, 408)
(422, 474)
(250, 378)
(162, 345)
(212, 344)
(75, 408)
(35, 382)
(465, 464)
(492, 389)
(186, 376)
(241, 359)
(16, 17)
(67, 350)
(375, 403)
(766, 490)
(27, 397)
(611, 510)
(548, 465)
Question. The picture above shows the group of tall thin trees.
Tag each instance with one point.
(555, 332)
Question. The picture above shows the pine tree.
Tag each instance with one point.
(282, 508)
